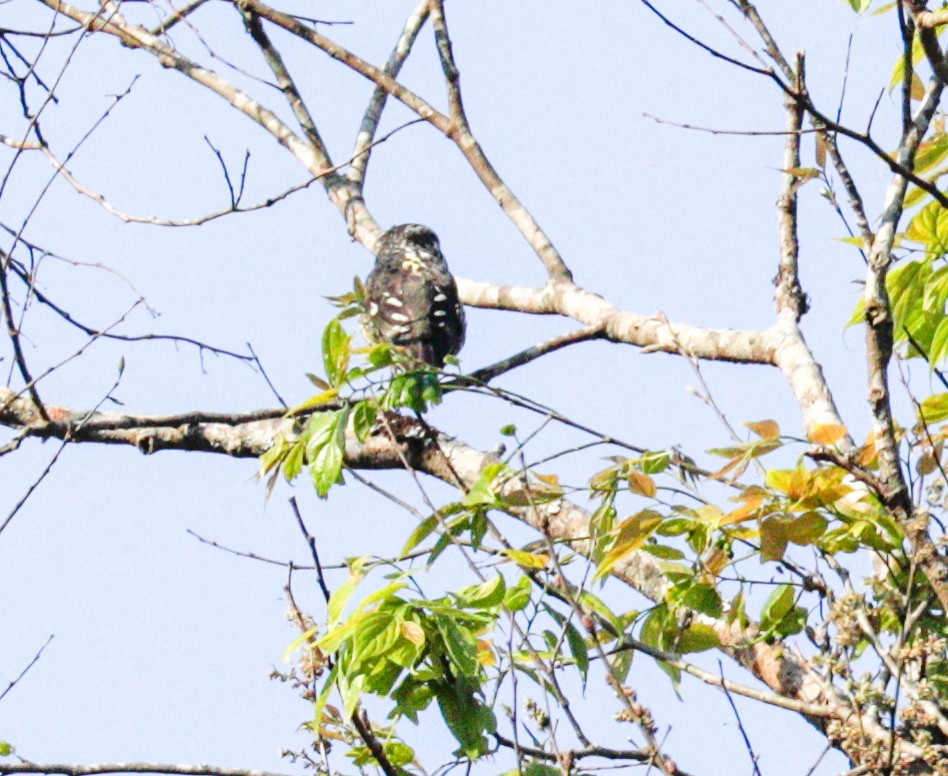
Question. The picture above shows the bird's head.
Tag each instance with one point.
(410, 246)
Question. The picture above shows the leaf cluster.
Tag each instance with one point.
(417, 651)
(350, 398)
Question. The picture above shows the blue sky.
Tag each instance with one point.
(162, 645)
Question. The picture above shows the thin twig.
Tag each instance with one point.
(313, 551)
(176, 17)
(156, 768)
(13, 682)
(740, 723)
(52, 462)
(488, 373)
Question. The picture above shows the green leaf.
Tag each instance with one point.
(698, 637)
(318, 382)
(351, 690)
(326, 469)
(703, 598)
(293, 462)
(467, 717)
(663, 551)
(460, 645)
(930, 228)
(591, 603)
(325, 449)
(274, 455)
(654, 462)
(486, 595)
(807, 528)
(364, 415)
(422, 531)
(528, 560)
(483, 492)
(6, 748)
(579, 650)
(315, 401)
(931, 151)
(297, 643)
(342, 594)
(337, 349)
(773, 537)
(935, 408)
(387, 592)
(411, 696)
(778, 605)
(375, 636)
(518, 596)
(898, 72)
(621, 663)
(938, 348)
(416, 390)
(399, 753)
(318, 431)
(675, 526)
(659, 630)
(323, 698)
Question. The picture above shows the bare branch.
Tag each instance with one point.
(176, 17)
(789, 297)
(927, 22)
(286, 85)
(373, 112)
(14, 334)
(488, 373)
(929, 19)
(463, 139)
(821, 120)
(156, 768)
(26, 669)
(361, 223)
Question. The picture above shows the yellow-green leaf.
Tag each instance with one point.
(827, 433)
(773, 537)
(641, 484)
(935, 408)
(528, 560)
(316, 401)
(765, 429)
(803, 172)
(297, 643)
(413, 632)
(633, 532)
(698, 637)
(806, 528)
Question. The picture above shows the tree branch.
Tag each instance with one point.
(340, 192)
(157, 768)
(373, 112)
(440, 456)
(789, 297)
(449, 127)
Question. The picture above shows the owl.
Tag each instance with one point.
(411, 299)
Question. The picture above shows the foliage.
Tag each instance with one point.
(320, 443)
(532, 577)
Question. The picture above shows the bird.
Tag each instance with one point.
(411, 297)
